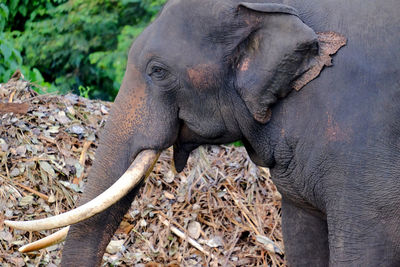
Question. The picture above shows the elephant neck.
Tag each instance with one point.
(260, 144)
(259, 139)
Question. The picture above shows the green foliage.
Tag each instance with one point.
(22, 10)
(84, 91)
(4, 13)
(238, 144)
(10, 57)
(112, 63)
(73, 44)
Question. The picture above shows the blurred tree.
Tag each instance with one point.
(10, 57)
(76, 43)
(22, 10)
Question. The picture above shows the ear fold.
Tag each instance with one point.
(278, 49)
(270, 8)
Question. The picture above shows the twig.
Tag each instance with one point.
(244, 210)
(183, 236)
(35, 159)
(229, 253)
(82, 158)
(10, 100)
(46, 198)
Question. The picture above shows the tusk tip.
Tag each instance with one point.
(15, 224)
(50, 240)
(9, 223)
(23, 249)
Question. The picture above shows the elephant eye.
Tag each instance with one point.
(158, 73)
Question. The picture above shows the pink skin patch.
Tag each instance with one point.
(201, 76)
(245, 65)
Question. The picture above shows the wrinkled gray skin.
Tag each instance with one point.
(206, 72)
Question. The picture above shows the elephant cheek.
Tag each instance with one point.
(202, 76)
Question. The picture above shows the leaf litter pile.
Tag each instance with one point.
(222, 210)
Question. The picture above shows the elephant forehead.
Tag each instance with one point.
(202, 75)
(214, 10)
(193, 20)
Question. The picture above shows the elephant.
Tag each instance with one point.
(218, 71)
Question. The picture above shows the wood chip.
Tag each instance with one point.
(17, 108)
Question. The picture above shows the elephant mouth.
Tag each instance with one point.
(182, 147)
(187, 141)
(181, 155)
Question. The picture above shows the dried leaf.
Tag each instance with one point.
(15, 172)
(53, 129)
(52, 198)
(62, 117)
(169, 177)
(169, 195)
(24, 201)
(6, 236)
(79, 169)
(3, 145)
(194, 229)
(215, 242)
(47, 168)
(72, 186)
(76, 129)
(268, 244)
(115, 246)
(104, 110)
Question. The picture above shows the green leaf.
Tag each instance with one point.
(4, 11)
(13, 6)
(124, 2)
(17, 56)
(3, 16)
(23, 10)
(5, 50)
(237, 143)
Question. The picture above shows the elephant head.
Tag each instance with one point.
(204, 72)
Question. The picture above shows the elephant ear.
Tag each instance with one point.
(277, 48)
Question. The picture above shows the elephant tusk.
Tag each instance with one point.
(52, 239)
(139, 170)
